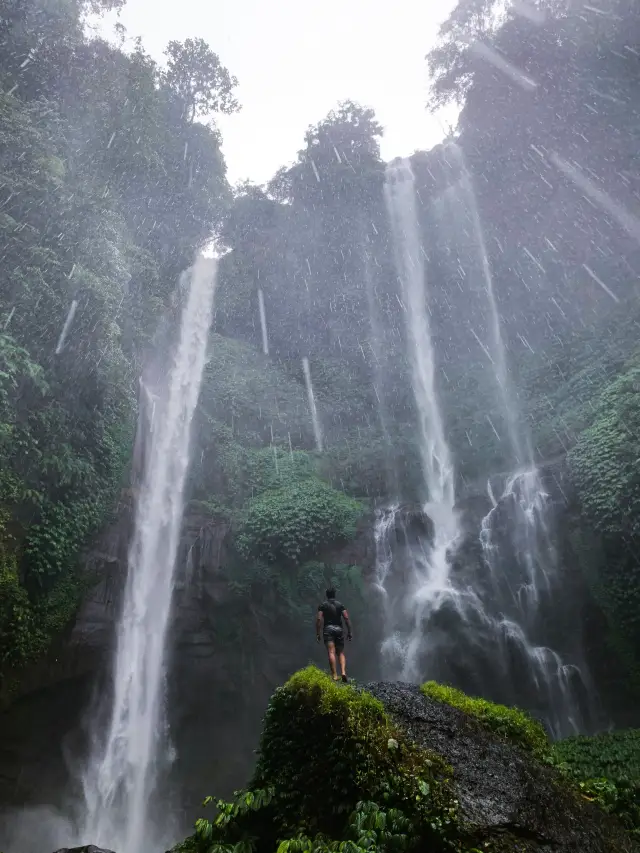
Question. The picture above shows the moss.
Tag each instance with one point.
(345, 734)
(510, 724)
(333, 767)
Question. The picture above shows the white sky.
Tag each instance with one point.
(295, 59)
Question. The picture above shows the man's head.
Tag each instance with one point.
(330, 593)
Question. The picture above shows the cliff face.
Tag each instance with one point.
(226, 659)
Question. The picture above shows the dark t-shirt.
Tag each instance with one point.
(332, 612)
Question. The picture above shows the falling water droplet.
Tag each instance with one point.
(263, 322)
(66, 327)
(312, 403)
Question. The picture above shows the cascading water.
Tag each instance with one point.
(533, 548)
(446, 617)
(122, 773)
(523, 579)
(465, 208)
(520, 555)
(429, 583)
(436, 459)
(385, 520)
(315, 419)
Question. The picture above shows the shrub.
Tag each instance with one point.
(294, 523)
(607, 770)
(508, 723)
(615, 755)
(19, 635)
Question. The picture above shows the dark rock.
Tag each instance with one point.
(90, 848)
(502, 791)
(412, 525)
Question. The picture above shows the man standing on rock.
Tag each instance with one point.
(329, 626)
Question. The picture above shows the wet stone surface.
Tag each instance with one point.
(502, 791)
(89, 848)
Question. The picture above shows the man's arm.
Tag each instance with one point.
(345, 616)
(319, 623)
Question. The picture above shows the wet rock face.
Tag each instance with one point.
(412, 525)
(214, 708)
(88, 849)
(201, 589)
(503, 792)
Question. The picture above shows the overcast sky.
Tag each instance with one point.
(295, 59)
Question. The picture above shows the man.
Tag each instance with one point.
(329, 626)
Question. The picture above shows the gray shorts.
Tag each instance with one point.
(333, 634)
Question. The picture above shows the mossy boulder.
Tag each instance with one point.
(389, 768)
(332, 767)
(509, 799)
(509, 724)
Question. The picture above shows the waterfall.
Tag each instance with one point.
(435, 456)
(520, 554)
(476, 622)
(464, 199)
(123, 771)
(533, 548)
(429, 583)
(521, 580)
(473, 633)
(315, 419)
(384, 521)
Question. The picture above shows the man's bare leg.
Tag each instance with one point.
(331, 652)
(343, 664)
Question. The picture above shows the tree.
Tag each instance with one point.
(198, 80)
(456, 59)
(340, 160)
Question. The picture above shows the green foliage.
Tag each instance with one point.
(335, 774)
(604, 465)
(614, 585)
(274, 469)
(27, 624)
(605, 460)
(294, 523)
(614, 755)
(620, 799)
(607, 770)
(455, 67)
(369, 828)
(511, 724)
(108, 189)
(18, 632)
(250, 394)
